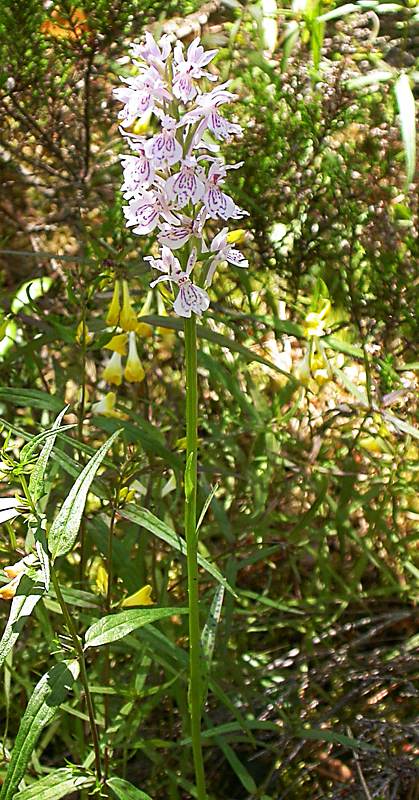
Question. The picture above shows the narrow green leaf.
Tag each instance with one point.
(47, 696)
(28, 593)
(116, 626)
(236, 765)
(58, 784)
(29, 449)
(37, 528)
(30, 397)
(336, 13)
(64, 529)
(323, 735)
(208, 637)
(401, 425)
(36, 482)
(407, 112)
(189, 477)
(357, 393)
(372, 77)
(147, 520)
(124, 790)
(220, 339)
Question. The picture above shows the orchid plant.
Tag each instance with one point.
(174, 186)
(173, 181)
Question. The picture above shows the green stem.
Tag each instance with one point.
(195, 684)
(107, 662)
(83, 672)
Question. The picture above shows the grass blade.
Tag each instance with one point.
(406, 106)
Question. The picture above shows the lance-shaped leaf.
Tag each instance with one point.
(407, 112)
(124, 790)
(37, 539)
(47, 696)
(61, 783)
(29, 591)
(116, 626)
(208, 637)
(36, 482)
(64, 529)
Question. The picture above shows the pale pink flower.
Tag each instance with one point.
(206, 112)
(190, 298)
(151, 52)
(144, 211)
(187, 185)
(216, 202)
(140, 95)
(224, 252)
(163, 149)
(138, 174)
(190, 69)
(175, 236)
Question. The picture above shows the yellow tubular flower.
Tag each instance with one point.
(106, 406)
(134, 372)
(113, 370)
(15, 570)
(82, 334)
(8, 591)
(118, 344)
(143, 329)
(142, 124)
(114, 308)
(128, 319)
(140, 598)
(236, 237)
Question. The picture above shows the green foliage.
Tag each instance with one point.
(47, 697)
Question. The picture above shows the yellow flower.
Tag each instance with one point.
(143, 328)
(113, 370)
(106, 406)
(15, 570)
(82, 334)
(134, 372)
(118, 344)
(102, 580)
(128, 319)
(8, 591)
(142, 124)
(126, 495)
(140, 598)
(314, 323)
(114, 308)
(237, 236)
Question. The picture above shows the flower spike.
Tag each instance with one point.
(174, 176)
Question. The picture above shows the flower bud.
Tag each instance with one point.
(128, 319)
(114, 312)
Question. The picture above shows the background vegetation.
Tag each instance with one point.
(308, 461)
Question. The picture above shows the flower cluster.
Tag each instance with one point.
(122, 318)
(174, 178)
